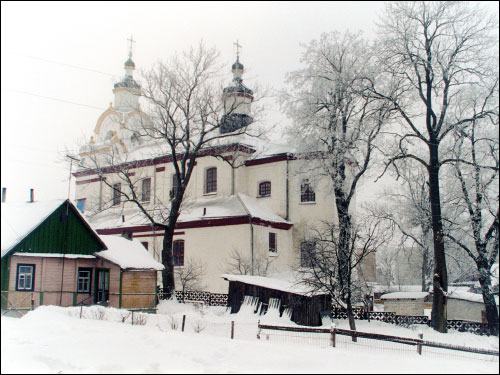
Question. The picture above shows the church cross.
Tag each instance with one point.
(238, 46)
(131, 40)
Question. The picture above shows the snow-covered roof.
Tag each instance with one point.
(272, 283)
(53, 255)
(128, 254)
(468, 296)
(191, 210)
(20, 218)
(405, 295)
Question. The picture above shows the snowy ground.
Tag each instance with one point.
(55, 340)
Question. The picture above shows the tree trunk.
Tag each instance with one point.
(350, 316)
(168, 262)
(488, 298)
(440, 277)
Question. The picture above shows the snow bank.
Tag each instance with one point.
(48, 340)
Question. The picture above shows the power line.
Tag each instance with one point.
(56, 99)
(64, 64)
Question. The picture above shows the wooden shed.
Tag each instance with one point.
(306, 306)
(52, 256)
(405, 303)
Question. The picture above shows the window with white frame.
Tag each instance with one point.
(146, 190)
(265, 189)
(84, 280)
(307, 253)
(25, 277)
(117, 193)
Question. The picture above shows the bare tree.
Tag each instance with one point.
(333, 117)
(325, 266)
(191, 276)
(240, 264)
(431, 51)
(185, 116)
(474, 228)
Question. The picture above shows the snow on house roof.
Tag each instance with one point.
(20, 218)
(128, 254)
(272, 283)
(468, 296)
(405, 295)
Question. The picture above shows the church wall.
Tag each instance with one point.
(276, 174)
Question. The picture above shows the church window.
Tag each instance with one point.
(146, 190)
(109, 135)
(306, 253)
(178, 252)
(211, 180)
(265, 189)
(307, 192)
(117, 194)
(272, 243)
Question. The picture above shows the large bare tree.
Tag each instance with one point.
(185, 111)
(337, 127)
(432, 51)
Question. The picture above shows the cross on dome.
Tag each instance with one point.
(132, 41)
(238, 46)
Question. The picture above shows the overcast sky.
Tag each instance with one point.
(59, 62)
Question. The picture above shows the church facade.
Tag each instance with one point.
(253, 219)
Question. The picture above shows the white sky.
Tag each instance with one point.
(38, 38)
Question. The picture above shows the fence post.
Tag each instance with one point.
(132, 317)
(258, 329)
(183, 322)
(232, 329)
(332, 335)
(32, 302)
(419, 345)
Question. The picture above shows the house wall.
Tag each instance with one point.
(138, 289)
(47, 283)
(405, 306)
(458, 309)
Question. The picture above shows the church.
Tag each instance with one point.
(255, 219)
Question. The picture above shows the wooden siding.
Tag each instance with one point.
(138, 289)
(306, 310)
(57, 235)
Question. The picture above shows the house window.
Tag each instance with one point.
(265, 189)
(306, 253)
(117, 193)
(84, 280)
(175, 185)
(25, 276)
(146, 190)
(307, 192)
(145, 244)
(211, 181)
(272, 243)
(80, 204)
(178, 251)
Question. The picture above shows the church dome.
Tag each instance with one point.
(129, 62)
(237, 66)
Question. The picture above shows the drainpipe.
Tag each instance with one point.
(287, 191)
(100, 194)
(232, 179)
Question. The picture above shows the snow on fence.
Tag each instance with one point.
(209, 299)
(356, 340)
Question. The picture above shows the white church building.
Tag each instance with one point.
(261, 212)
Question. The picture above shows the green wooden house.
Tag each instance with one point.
(47, 254)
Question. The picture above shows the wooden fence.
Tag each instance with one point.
(330, 337)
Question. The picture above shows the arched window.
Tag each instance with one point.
(265, 189)
(307, 192)
(211, 180)
(178, 252)
(146, 190)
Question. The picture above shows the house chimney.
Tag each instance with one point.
(32, 195)
(127, 234)
(4, 194)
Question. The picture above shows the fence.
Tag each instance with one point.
(407, 320)
(209, 299)
(336, 337)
